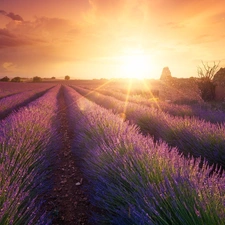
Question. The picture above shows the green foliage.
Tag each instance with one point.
(5, 79)
(207, 89)
(16, 79)
(67, 77)
(37, 79)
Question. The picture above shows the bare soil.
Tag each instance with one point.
(68, 202)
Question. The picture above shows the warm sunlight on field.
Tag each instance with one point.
(135, 66)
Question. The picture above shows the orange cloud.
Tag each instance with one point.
(8, 39)
(171, 32)
(107, 8)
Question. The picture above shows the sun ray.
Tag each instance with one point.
(156, 102)
(97, 88)
(123, 114)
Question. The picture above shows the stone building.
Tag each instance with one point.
(166, 74)
(219, 81)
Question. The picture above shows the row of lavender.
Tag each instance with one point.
(136, 181)
(10, 88)
(9, 103)
(200, 111)
(25, 152)
(189, 135)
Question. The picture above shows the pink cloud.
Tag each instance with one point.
(11, 15)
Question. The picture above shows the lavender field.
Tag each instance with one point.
(142, 159)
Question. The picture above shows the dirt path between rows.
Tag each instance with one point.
(68, 202)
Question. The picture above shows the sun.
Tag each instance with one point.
(135, 66)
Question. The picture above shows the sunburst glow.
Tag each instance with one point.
(135, 66)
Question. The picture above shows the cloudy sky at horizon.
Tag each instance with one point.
(109, 38)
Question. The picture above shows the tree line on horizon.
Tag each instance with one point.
(34, 79)
(208, 77)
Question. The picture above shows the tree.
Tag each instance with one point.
(6, 79)
(37, 79)
(206, 74)
(53, 78)
(16, 79)
(67, 77)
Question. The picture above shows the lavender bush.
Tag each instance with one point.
(190, 135)
(7, 104)
(25, 150)
(137, 181)
(10, 88)
(197, 110)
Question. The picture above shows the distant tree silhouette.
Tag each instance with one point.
(16, 79)
(5, 79)
(206, 86)
(53, 78)
(37, 79)
(67, 77)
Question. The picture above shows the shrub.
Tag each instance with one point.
(37, 79)
(6, 79)
(67, 77)
(16, 79)
(206, 74)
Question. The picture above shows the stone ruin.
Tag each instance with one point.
(219, 77)
(219, 81)
(166, 74)
(166, 77)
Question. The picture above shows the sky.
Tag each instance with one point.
(93, 39)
